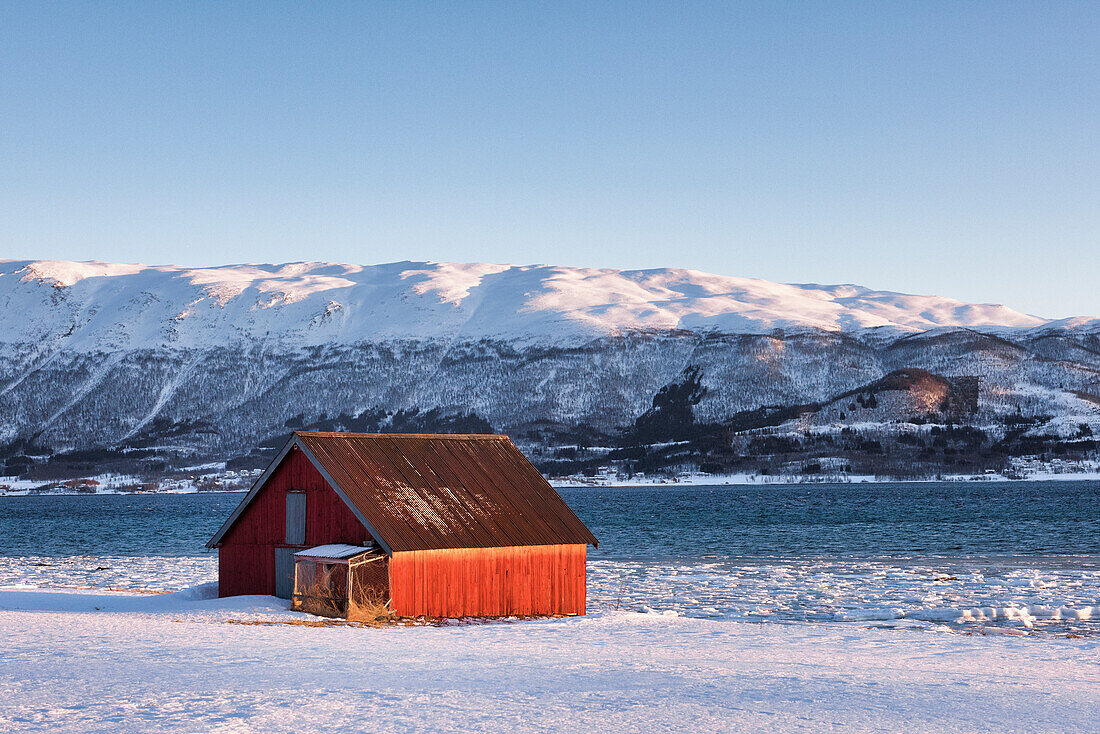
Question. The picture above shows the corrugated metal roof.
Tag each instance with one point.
(333, 550)
(425, 491)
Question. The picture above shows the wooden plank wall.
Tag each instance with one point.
(246, 569)
(489, 582)
(246, 557)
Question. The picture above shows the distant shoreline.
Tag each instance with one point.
(760, 480)
(690, 480)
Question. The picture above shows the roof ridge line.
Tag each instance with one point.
(448, 436)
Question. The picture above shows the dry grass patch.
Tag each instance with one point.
(370, 608)
(290, 622)
(319, 598)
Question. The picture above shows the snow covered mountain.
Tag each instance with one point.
(207, 363)
(106, 305)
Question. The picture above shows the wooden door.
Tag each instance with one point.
(284, 572)
(295, 518)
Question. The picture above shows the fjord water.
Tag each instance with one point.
(906, 553)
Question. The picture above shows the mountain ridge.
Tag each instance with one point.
(342, 303)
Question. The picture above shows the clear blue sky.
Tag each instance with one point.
(949, 148)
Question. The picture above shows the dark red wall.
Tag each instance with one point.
(246, 556)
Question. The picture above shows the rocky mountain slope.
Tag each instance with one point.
(162, 367)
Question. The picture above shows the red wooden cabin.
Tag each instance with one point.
(468, 526)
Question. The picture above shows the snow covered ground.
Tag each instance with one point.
(1033, 596)
(100, 661)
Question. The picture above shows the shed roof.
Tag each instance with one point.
(428, 491)
(333, 550)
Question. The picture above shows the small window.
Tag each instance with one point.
(295, 518)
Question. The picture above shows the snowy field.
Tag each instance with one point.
(107, 662)
(1027, 596)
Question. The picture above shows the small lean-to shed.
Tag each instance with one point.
(464, 524)
(331, 579)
